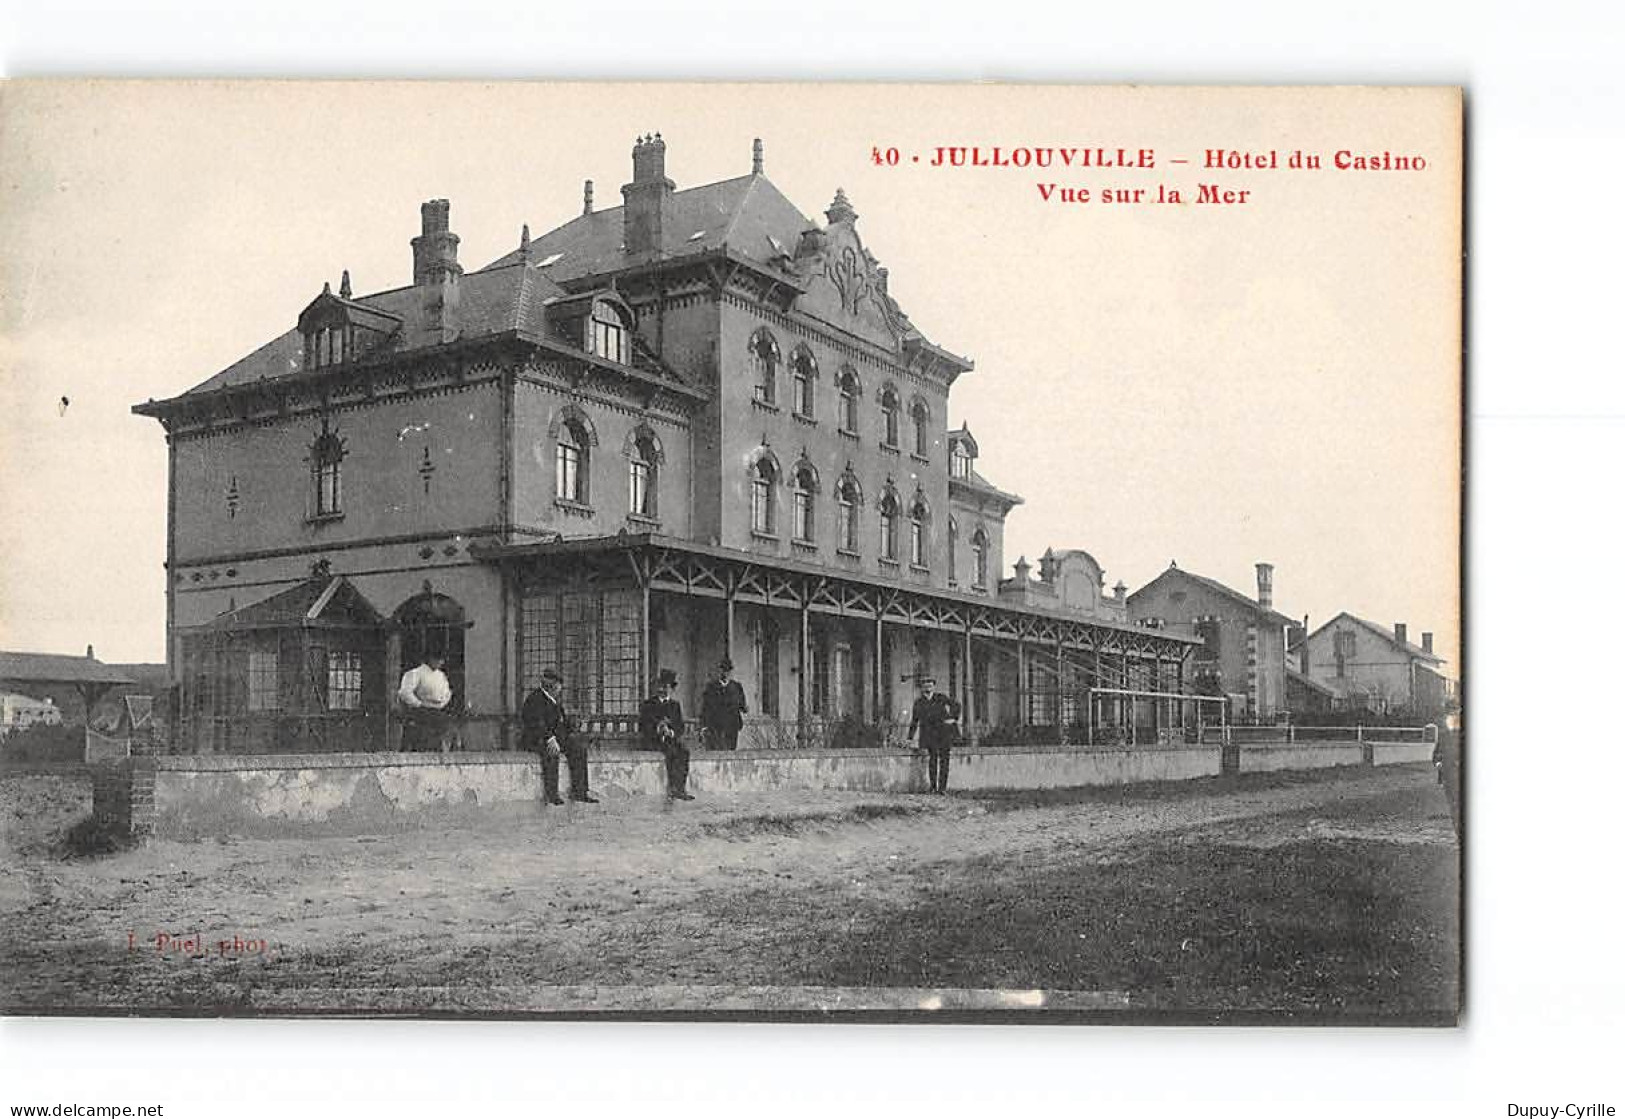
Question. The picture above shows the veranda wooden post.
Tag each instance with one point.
(801, 677)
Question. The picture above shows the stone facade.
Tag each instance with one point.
(705, 367)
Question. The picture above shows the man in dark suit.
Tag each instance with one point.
(545, 728)
(722, 709)
(660, 721)
(936, 718)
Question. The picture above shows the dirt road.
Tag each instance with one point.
(1288, 894)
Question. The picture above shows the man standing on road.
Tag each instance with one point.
(545, 729)
(425, 695)
(661, 723)
(936, 718)
(722, 709)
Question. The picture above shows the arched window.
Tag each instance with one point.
(764, 358)
(890, 409)
(572, 461)
(327, 478)
(978, 544)
(849, 498)
(805, 496)
(763, 477)
(643, 478)
(851, 391)
(888, 525)
(803, 375)
(953, 551)
(610, 337)
(959, 460)
(920, 416)
(918, 514)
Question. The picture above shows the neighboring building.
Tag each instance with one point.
(1370, 668)
(19, 711)
(1243, 652)
(73, 685)
(691, 425)
(1070, 580)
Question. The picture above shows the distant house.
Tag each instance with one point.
(19, 711)
(73, 685)
(1368, 667)
(1244, 639)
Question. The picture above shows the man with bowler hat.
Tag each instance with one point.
(722, 709)
(546, 729)
(661, 723)
(936, 718)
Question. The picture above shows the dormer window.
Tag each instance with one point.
(959, 460)
(611, 340)
(327, 346)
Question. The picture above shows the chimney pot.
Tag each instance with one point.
(1399, 632)
(647, 199)
(1427, 643)
(756, 156)
(586, 197)
(1266, 585)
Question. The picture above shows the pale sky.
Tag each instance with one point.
(1275, 380)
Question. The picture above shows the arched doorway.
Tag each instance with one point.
(432, 623)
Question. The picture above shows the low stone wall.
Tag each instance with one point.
(1399, 753)
(352, 794)
(1300, 755)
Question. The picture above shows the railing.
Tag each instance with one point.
(850, 733)
(1288, 733)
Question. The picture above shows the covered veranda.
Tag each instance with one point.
(609, 611)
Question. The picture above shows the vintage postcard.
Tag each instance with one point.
(920, 552)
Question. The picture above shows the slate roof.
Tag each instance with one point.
(747, 215)
(53, 668)
(1216, 586)
(491, 301)
(977, 483)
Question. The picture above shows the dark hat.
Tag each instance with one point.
(666, 676)
(551, 676)
(726, 665)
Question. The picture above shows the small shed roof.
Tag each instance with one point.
(322, 601)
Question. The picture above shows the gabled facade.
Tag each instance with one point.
(1368, 667)
(694, 424)
(1243, 652)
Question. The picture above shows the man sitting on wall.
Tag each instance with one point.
(425, 696)
(545, 728)
(661, 723)
(722, 709)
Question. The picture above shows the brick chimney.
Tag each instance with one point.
(1266, 585)
(1399, 632)
(647, 198)
(434, 252)
(435, 269)
(1427, 643)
